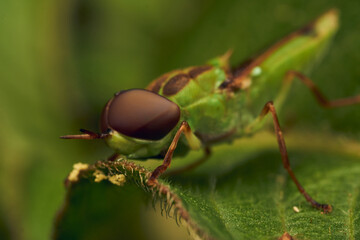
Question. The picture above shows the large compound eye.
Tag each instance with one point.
(140, 114)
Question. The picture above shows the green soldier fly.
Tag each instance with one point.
(210, 103)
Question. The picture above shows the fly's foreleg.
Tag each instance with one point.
(269, 107)
(322, 100)
(194, 143)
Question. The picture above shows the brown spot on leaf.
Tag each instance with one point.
(175, 84)
(196, 71)
(155, 85)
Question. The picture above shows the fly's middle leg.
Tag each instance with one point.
(198, 162)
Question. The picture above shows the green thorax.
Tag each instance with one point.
(211, 112)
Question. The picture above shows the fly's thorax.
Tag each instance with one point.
(217, 116)
(188, 85)
(137, 148)
(211, 112)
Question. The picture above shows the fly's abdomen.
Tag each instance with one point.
(262, 77)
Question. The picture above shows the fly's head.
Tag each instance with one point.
(137, 123)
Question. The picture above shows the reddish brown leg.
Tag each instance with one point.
(207, 153)
(323, 101)
(184, 127)
(269, 107)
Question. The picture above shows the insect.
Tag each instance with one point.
(206, 104)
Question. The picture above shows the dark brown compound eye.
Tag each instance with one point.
(140, 114)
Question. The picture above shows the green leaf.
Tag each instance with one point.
(62, 60)
(4, 228)
(240, 193)
(97, 207)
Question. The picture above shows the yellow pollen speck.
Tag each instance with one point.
(77, 167)
(118, 179)
(296, 209)
(99, 176)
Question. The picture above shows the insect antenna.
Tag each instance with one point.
(87, 134)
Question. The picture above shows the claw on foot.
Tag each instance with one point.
(151, 182)
(325, 207)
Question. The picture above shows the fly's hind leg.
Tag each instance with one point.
(321, 99)
(269, 107)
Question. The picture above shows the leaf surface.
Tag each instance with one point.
(236, 194)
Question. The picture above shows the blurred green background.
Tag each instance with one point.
(60, 61)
